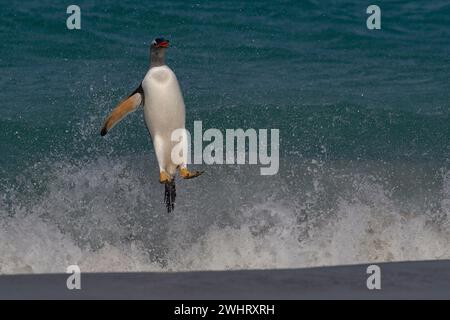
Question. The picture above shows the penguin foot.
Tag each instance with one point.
(164, 177)
(186, 174)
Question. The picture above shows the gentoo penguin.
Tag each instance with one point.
(164, 112)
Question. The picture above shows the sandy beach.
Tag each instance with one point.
(402, 280)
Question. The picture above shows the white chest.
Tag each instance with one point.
(160, 82)
(164, 104)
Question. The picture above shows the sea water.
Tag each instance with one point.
(363, 117)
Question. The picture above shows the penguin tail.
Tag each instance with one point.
(170, 194)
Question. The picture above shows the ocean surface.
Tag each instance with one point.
(364, 120)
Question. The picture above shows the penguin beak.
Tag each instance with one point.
(163, 44)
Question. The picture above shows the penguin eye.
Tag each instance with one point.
(154, 42)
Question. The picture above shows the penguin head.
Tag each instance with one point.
(158, 51)
(159, 43)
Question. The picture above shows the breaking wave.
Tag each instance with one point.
(106, 215)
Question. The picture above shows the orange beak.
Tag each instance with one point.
(163, 44)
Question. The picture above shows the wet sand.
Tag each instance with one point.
(401, 280)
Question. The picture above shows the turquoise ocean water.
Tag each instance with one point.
(364, 135)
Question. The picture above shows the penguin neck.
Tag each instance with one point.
(157, 59)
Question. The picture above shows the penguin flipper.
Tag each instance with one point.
(128, 105)
(170, 194)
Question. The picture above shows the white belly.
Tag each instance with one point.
(164, 111)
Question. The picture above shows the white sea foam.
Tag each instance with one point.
(106, 216)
